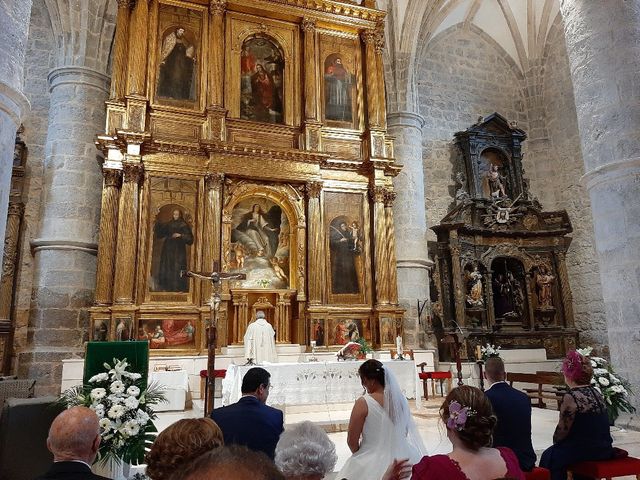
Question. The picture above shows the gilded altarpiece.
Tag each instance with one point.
(252, 136)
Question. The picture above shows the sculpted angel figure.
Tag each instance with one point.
(177, 67)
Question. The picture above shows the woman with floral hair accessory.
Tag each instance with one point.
(467, 414)
(582, 432)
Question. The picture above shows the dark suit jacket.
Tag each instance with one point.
(251, 423)
(513, 409)
(70, 471)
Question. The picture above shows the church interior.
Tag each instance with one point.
(421, 178)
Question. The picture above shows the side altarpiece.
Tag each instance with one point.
(252, 134)
(500, 260)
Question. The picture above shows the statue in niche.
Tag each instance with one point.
(177, 67)
(176, 236)
(344, 250)
(508, 298)
(338, 86)
(496, 182)
(474, 288)
(544, 283)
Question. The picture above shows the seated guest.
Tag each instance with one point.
(74, 438)
(583, 427)
(249, 421)
(231, 463)
(305, 452)
(513, 410)
(181, 443)
(468, 417)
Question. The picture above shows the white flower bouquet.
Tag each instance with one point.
(123, 406)
(613, 388)
(489, 351)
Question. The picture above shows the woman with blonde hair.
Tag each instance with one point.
(469, 419)
(180, 444)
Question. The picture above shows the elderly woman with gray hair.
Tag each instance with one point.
(305, 452)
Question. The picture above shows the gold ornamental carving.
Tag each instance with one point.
(314, 189)
(389, 198)
(132, 172)
(308, 25)
(217, 7)
(112, 177)
(377, 194)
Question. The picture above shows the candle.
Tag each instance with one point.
(478, 352)
(313, 344)
(399, 344)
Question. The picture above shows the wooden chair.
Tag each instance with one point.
(540, 393)
(433, 376)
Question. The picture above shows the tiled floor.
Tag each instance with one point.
(432, 431)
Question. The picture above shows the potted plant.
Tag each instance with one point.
(613, 388)
(365, 348)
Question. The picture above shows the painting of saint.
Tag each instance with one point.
(176, 80)
(124, 329)
(338, 84)
(317, 332)
(100, 331)
(172, 239)
(343, 331)
(345, 248)
(260, 243)
(261, 69)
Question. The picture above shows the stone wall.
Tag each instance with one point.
(462, 74)
(39, 60)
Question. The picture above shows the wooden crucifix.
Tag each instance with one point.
(455, 341)
(216, 278)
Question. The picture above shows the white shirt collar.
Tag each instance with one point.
(75, 461)
(494, 383)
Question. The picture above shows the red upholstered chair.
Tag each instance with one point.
(538, 473)
(618, 467)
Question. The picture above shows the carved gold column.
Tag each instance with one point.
(491, 319)
(312, 122)
(565, 289)
(458, 287)
(108, 235)
(381, 101)
(316, 278)
(370, 39)
(211, 240)
(127, 231)
(120, 50)
(215, 110)
(138, 33)
(9, 261)
(380, 248)
(390, 254)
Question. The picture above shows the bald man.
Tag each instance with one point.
(74, 438)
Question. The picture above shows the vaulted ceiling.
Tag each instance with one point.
(520, 27)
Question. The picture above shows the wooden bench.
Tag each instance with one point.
(540, 393)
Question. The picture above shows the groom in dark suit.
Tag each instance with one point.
(74, 438)
(513, 409)
(250, 422)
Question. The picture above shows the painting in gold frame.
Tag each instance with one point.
(100, 329)
(343, 330)
(171, 239)
(170, 333)
(178, 57)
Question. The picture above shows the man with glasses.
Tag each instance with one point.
(250, 421)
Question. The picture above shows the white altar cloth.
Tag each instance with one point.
(175, 385)
(317, 383)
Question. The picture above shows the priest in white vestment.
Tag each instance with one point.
(259, 341)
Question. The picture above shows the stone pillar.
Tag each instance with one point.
(14, 27)
(410, 219)
(65, 250)
(603, 46)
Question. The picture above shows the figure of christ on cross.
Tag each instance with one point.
(215, 278)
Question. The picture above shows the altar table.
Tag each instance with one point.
(175, 385)
(317, 383)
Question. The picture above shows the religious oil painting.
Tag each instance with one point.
(387, 331)
(339, 84)
(172, 243)
(262, 72)
(124, 329)
(178, 56)
(259, 248)
(100, 330)
(168, 333)
(317, 333)
(341, 330)
(346, 246)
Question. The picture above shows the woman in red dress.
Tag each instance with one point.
(469, 419)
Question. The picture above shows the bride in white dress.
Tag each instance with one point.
(381, 428)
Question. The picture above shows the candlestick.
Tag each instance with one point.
(478, 352)
(399, 345)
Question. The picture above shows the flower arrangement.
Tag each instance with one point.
(489, 351)
(350, 351)
(364, 346)
(613, 388)
(123, 406)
